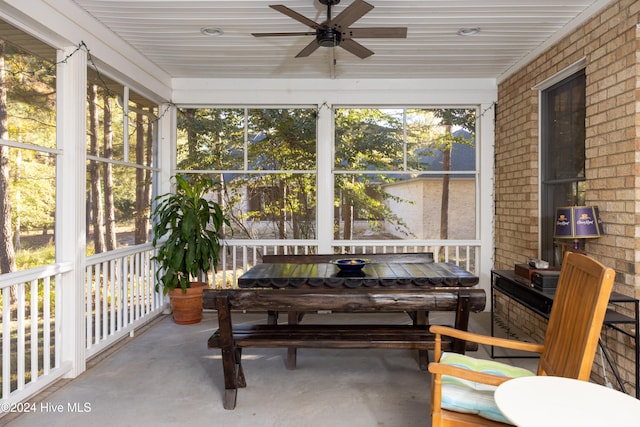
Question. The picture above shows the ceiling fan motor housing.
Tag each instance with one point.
(328, 37)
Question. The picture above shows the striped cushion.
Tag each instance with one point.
(471, 397)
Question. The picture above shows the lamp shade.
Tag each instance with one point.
(578, 222)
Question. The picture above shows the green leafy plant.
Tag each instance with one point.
(192, 225)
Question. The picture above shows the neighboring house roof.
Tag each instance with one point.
(463, 156)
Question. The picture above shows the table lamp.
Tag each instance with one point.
(578, 222)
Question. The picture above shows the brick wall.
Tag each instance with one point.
(610, 42)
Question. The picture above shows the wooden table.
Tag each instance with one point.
(544, 401)
(415, 288)
(374, 275)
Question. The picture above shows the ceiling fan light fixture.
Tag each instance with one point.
(472, 31)
(328, 37)
(211, 32)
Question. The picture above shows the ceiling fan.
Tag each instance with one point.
(335, 31)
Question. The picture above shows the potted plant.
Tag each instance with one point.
(187, 235)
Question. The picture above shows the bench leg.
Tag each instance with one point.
(421, 317)
(462, 320)
(292, 352)
(242, 382)
(272, 317)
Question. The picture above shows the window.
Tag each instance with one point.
(399, 173)
(405, 173)
(265, 159)
(27, 150)
(121, 134)
(562, 153)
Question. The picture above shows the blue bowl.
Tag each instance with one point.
(350, 264)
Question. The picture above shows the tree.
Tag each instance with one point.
(109, 208)
(7, 254)
(464, 119)
(281, 204)
(287, 142)
(27, 111)
(366, 140)
(279, 140)
(143, 178)
(95, 191)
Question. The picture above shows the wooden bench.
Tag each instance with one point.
(232, 338)
(412, 337)
(419, 317)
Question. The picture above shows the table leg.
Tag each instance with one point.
(462, 320)
(230, 387)
(230, 357)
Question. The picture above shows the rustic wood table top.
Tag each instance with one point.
(372, 275)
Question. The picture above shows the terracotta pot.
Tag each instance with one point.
(187, 307)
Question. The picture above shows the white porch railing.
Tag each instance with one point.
(30, 331)
(240, 255)
(119, 295)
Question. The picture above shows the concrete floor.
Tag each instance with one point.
(166, 376)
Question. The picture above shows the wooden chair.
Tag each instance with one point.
(569, 346)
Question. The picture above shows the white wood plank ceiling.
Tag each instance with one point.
(168, 33)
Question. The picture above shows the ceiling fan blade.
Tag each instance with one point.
(308, 50)
(351, 14)
(356, 48)
(282, 34)
(295, 15)
(373, 33)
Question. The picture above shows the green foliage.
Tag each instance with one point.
(32, 189)
(368, 139)
(266, 160)
(30, 258)
(210, 138)
(281, 205)
(29, 82)
(193, 228)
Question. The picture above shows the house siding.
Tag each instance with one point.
(422, 216)
(610, 44)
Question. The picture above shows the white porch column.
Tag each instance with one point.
(485, 205)
(70, 203)
(165, 155)
(165, 160)
(325, 179)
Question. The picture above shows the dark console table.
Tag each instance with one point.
(520, 290)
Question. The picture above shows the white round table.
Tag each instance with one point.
(542, 401)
